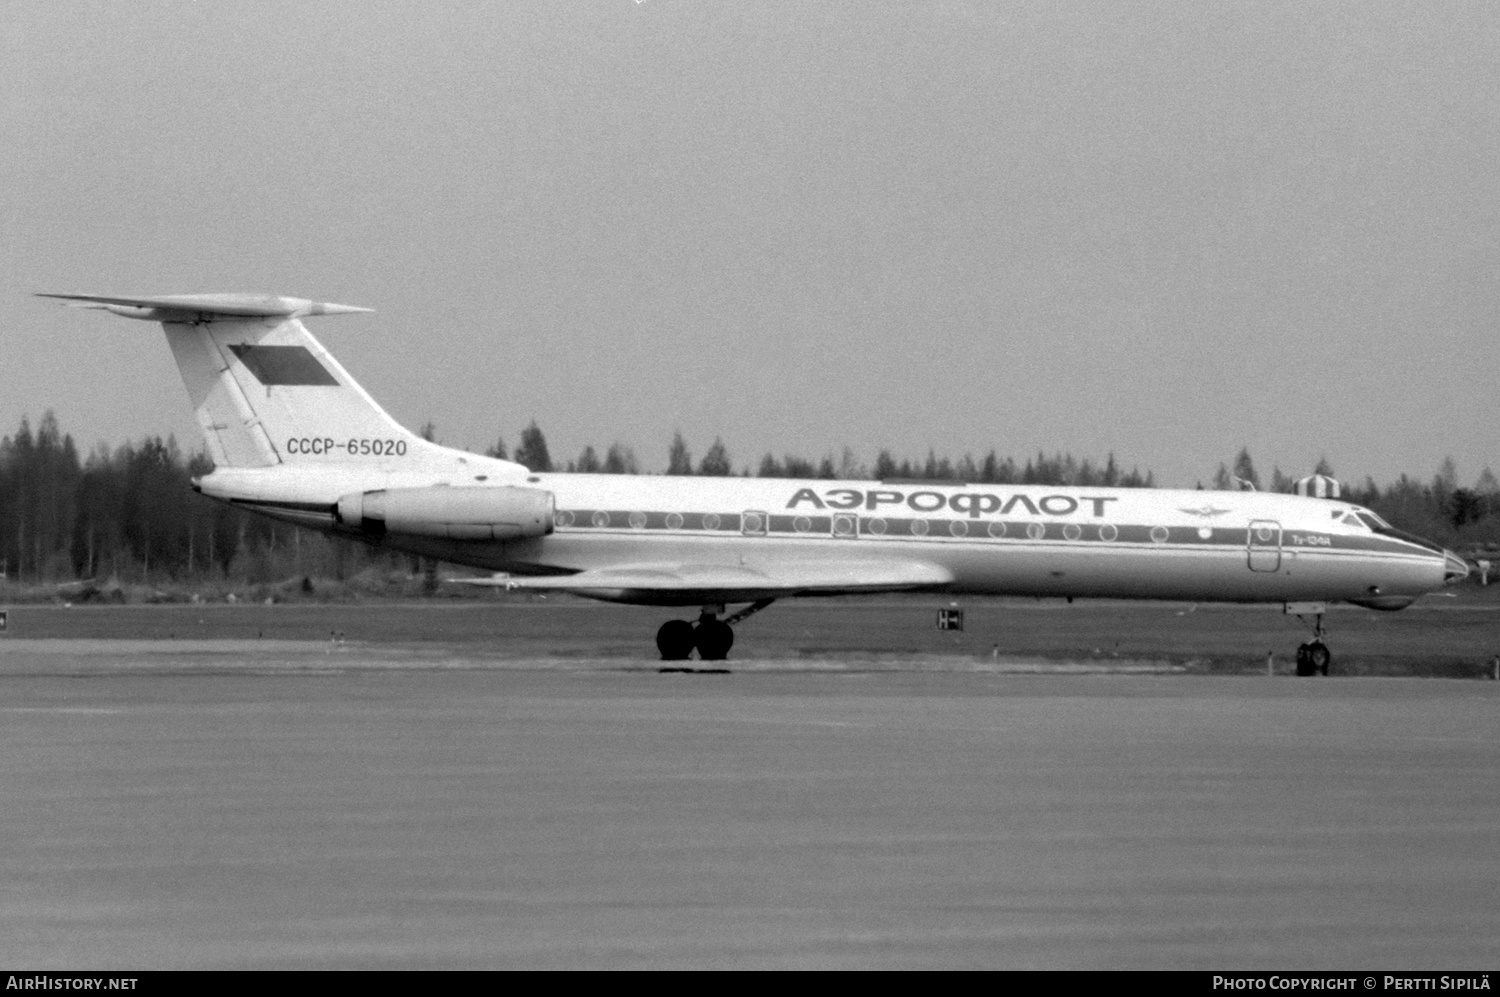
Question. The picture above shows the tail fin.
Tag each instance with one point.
(265, 391)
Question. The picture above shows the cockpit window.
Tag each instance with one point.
(1353, 520)
(1385, 529)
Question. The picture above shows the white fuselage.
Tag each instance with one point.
(1036, 540)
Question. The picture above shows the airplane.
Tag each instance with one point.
(294, 437)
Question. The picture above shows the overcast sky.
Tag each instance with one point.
(1164, 230)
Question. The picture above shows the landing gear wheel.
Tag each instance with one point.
(675, 640)
(714, 639)
(1313, 658)
(1304, 665)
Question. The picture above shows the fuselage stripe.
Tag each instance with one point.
(849, 526)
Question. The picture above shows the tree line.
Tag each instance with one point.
(1058, 469)
(129, 512)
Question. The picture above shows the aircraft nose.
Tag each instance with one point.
(1455, 568)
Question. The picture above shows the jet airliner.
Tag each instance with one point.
(293, 436)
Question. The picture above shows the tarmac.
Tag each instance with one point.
(307, 804)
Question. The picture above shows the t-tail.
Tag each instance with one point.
(266, 392)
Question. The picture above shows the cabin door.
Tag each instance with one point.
(1264, 545)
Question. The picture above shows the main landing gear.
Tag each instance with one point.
(1313, 658)
(711, 637)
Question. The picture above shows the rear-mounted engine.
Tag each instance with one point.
(503, 513)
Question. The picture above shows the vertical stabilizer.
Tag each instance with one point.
(266, 392)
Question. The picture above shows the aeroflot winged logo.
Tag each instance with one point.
(971, 504)
(1204, 511)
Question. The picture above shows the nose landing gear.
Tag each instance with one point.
(1313, 658)
(711, 637)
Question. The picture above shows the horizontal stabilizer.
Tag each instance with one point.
(190, 307)
(687, 584)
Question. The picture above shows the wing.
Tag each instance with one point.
(691, 584)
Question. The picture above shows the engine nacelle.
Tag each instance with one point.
(501, 513)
